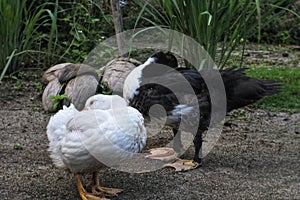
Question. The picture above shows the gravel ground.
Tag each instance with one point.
(256, 158)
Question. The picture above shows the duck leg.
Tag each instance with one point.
(98, 190)
(186, 165)
(82, 192)
(177, 144)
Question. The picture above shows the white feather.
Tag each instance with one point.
(104, 102)
(181, 109)
(133, 80)
(56, 131)
(82, 141)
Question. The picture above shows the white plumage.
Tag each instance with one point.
(106, 132)
(133, 80)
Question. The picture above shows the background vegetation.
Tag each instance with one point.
(219, 26)
(42, 33)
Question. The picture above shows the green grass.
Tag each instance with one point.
(289, 99)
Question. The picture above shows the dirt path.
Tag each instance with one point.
(257, 158)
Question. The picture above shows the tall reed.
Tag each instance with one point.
(20, 26)
(218, 25)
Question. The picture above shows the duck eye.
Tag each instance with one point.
(92, 102)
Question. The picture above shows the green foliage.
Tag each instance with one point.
(289, 98)
(83, 24)
(57, 99)
(284, 28)
(38, 86)
(19, 85)
(213, 24)
(29, 31)
(17, 146)
(104, 89)
(7, 65)
(10, 28)
(19, 30)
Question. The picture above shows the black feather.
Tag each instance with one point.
(159, 83)
(242, 90)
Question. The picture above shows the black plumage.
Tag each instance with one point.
(186, 98)
(242, 90)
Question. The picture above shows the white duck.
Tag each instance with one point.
(106, 132)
